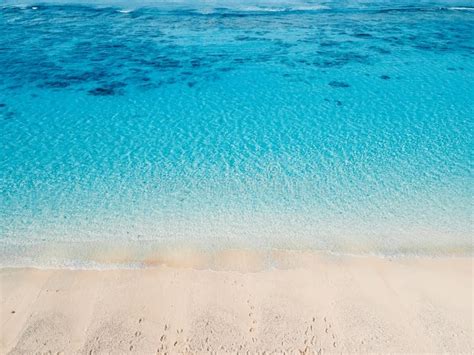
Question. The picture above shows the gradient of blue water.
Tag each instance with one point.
(342, 126)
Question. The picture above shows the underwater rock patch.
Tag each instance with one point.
(339, 59)
(380, 50)
(329, 44)
(102, 91)
(338, 84)
(195, 63)
(8, 115)
(384, 77)
(362, 35)
(56, 84)
(165, 63)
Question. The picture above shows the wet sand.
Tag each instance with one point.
(305, 303)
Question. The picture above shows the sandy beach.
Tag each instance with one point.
(304, 303)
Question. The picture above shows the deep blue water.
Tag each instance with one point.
(338, 126)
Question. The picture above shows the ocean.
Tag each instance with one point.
(334, 126)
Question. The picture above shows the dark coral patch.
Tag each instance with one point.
(102, 91)
(56, 84)
(116, 84)
(338, 84)
(363, 35)
(8, 115)
(2, 104)
(384, 77)
(196, 63)
(161, 63)
(339, 59)
(380, 50)
(243, 38)
(108, 89)
(329, 44)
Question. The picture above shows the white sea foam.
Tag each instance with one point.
(461, 8)
(258, 9)
(282, 9)
(198, 6)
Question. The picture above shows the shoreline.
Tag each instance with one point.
(195, 257)
(305, 302)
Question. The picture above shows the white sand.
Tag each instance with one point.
(309, 303)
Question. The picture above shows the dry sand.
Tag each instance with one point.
(305, 303)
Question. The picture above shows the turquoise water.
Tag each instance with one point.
(337, 126)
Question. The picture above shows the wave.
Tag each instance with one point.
(461, 8)
(202, 8)
(219, 7)
(282, 9)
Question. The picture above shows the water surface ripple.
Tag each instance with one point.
(339, 127)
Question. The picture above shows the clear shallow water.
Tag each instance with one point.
(344, 127)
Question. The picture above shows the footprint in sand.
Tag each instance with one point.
(253, 321)
(328, 330)
(171, 346)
